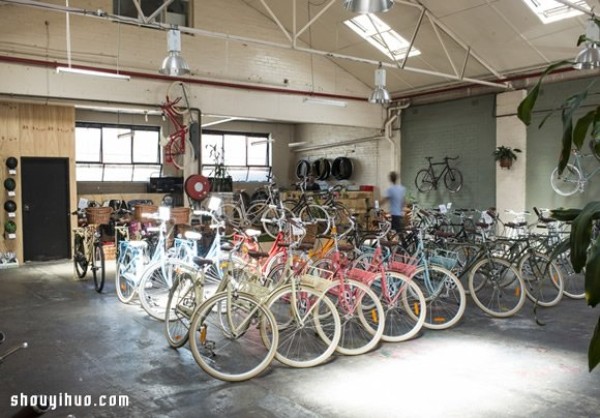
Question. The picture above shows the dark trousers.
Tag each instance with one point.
(397, 223)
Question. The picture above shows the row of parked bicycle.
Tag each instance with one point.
(313, 294)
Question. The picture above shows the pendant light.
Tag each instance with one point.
(589, 56)
(368, 6)
(174, 64)
(380, 95)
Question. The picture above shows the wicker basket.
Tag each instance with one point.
(180, 216)
(98, 216)
(140, 210)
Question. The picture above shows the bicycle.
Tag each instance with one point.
(87, 248)
(574, 176)
(427, 180)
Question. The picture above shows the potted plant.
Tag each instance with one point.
(505, 156)
(583, 243)
(219, 180)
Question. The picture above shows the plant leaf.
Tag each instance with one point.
(582, 126)
(581, 232)
(594, 348)
(581, 39)
(526, 106)
(564, 214)
(592, 276)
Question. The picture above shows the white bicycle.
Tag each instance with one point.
(574, 177)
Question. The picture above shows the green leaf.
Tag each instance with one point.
(572, 104)
(594, 348)
(592, 276)
(582, 126)
(581, 39)
(581, 233)
(528, 103)
(564, 214)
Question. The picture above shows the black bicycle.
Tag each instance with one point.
(426, 178)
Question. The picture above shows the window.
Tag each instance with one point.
(367, 27)
(551, 11)
(116, 153)
(246, 157)
(177, 13)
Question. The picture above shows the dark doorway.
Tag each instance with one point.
(45, 207)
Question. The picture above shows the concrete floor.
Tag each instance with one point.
(82, 343)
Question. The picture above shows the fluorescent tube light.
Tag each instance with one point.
(327, 102)
(71, 70)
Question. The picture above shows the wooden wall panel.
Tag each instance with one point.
(34, 131)
(9, 129)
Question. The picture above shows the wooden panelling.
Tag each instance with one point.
(28, 130)
(9, 128)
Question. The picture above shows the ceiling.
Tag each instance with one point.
(462, 42)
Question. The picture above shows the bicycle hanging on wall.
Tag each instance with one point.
(426, 178)
(574, 177)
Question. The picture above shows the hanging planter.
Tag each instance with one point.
(505, 156)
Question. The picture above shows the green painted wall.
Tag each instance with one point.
(464, 127)
(544, 145)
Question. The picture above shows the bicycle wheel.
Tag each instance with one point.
(233, 218)
(98, 270)
(496, 287)
(79, 259)
(309, 332)
(542, 278)
(180, 306)
(424, 181)
(573, 283)
(154, 288)
(568, 182)
(125, 278)
(404, 305)
(228, 334)
(445, 297)
(254, 213)
(362, 316)
(270, 220)
(453, 180)
(465, 256)
(316, 215)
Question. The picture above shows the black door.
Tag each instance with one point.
(45, 207)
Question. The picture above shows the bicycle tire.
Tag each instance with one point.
(445, 296)
(254, 212)
(543, 280)
(308, 340)
(233, 218)
(362, 317)
(173, 94)
(229, 356)
(595, 148)
(316, 215)
(424, 181)
(497, 287)
(80, 261)
(404, 305)
(573, 283)
(98, 267)
(453, 180)
(126, 289)
(154, 288)
(270, 221)
(180, 307)
(568, 182)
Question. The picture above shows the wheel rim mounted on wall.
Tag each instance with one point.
(302, 169)
(321, 169)
(342, 168)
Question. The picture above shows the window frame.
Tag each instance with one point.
(207, 168)
(132, 164)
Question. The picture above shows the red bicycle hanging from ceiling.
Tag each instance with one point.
(175, 148)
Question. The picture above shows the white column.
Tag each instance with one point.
(511, 132)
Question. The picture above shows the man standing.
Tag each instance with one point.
(395, 195)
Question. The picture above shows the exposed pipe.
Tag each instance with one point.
(338, 144)
(387, 129)
(218, 35)
(152, 76)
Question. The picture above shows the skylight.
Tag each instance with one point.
(362, 25)
(551, 11)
